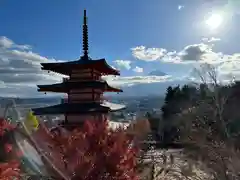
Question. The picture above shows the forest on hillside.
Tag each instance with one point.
(204, 120)
(180, 102)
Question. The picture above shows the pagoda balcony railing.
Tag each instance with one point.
(99, 99)
(86, 79)
(85, 101)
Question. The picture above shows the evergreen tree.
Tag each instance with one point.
(176, 100)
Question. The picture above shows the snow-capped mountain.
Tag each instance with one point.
(153, 88)
(157, 73)
(145, 89)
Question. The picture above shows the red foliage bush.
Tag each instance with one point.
(9, 168)
(96, 152)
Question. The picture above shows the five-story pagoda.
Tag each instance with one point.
(84, 87)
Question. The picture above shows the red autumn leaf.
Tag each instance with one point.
(19, 154)
(8, 147)
(9, 169)
(96, 152)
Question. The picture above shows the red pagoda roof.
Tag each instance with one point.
(66, 86)
(84, 63)
(75, 108)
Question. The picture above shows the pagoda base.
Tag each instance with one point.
(85, 117)
(71, 126)
(77, 121)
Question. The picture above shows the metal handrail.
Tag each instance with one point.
(43, 154)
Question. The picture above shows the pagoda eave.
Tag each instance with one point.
(112, 89)
(68, 109)
(77, 108)
(64, 87)
(65, 90)
(65, 67)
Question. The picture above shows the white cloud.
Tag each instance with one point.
(5, 42)
(20, 72)
(20, 69)
(230, 68)
(8, 43)
(195, 52)
(133, 80)
(123, 64)
(210, 40)
(180, 7)
(138, 69)
(228, 65)
(189, 54)
(148, 54)
(224, 72)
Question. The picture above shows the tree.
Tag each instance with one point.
(176, 100)
(95, 152)
(210, 129)
(9, 166)
(169, 95)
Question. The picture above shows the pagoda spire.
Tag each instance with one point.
(85, 36)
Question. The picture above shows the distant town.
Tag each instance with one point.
(136, 107)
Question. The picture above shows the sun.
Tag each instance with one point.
(214, 21)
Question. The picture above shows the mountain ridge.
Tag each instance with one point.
(156, 73)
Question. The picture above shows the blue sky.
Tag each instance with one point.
(53, 29)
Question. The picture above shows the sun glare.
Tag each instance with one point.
(214, 21)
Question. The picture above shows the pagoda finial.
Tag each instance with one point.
(85, 35)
